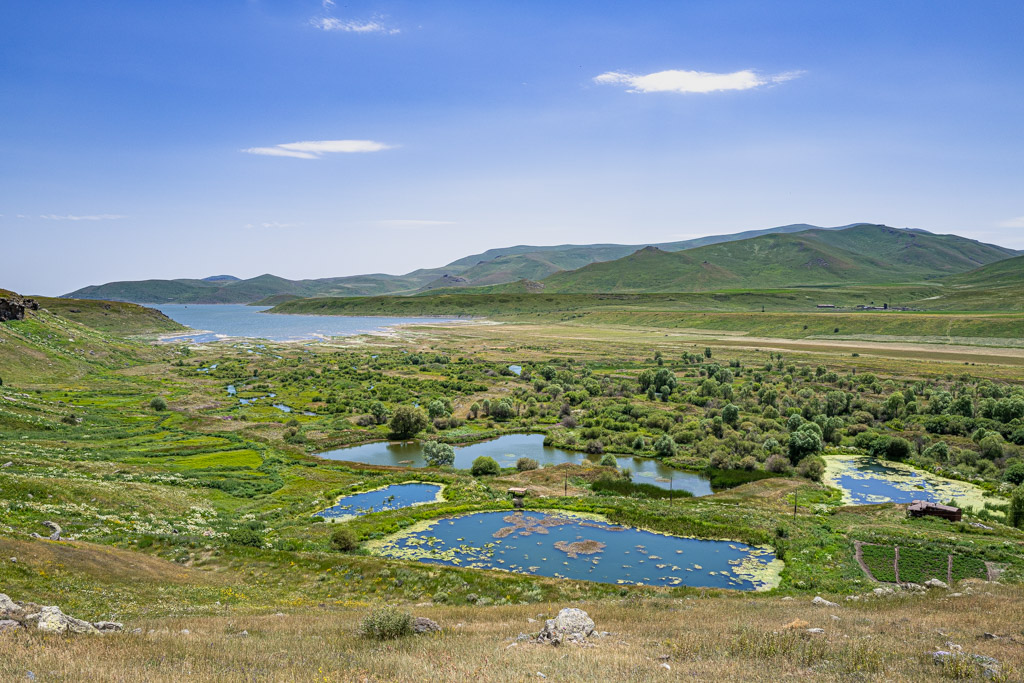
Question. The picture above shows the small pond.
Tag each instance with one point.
(393, 497)
(509, 448)
(516, 369)
(865, 480)
(568, 545)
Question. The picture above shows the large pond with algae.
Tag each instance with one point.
(583, 547)
(865, 480)
(506, 450)
(391, 497)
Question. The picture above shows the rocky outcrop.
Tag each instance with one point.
(13, 307)
(15, 616)
(571, 625)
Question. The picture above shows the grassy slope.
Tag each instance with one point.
(111, 316)
(862, 254)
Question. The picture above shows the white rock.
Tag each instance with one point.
(822, 602)
(52, 620)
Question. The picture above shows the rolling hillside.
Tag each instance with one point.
(863, 254)
(492, 267)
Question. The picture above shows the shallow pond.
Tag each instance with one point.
(393, 497)
(509, 448)
(567, 545)
(213, 322)
(865, 480)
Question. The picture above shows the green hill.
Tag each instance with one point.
(863, 254)
(492, 267)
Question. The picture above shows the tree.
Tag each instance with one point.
(484, 465)
(1015, 515)
(1014, 474)
(344, 539)
(731, 415)
(474, 409)
(805, 441)
(502, 409)
(408, 421)
(707, 352)
(437, 408)
(836, 403)
(992, 446)
(664, 446)
(380, 412)
(438, 454)
(158, 404)
(608, 460)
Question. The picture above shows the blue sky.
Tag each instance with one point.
(312, 139)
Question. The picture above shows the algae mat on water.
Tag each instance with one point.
(865, 480)
(582, 547)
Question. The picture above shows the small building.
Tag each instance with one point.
(826, 305)
(921, 508)
(517, 497)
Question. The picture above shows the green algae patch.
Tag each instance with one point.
(865, 480)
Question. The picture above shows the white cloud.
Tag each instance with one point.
(314, 149)
(683, 81)
(1012, 223)
(412, 223)
(328, 4)
(69, 217)
(371, 26)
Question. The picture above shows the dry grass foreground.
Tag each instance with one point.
(736, 638)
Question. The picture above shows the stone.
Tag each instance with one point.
(9, 625)
(52, 620)
(108, 626)
(815, 631)
(185, 632)
(9, 463)
(14, 307)
(883, 591)
(989, 636)
(822, 602)
(935, 583)
(424, 625)
(569, 622)
(788, 597)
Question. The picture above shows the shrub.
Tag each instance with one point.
(438, 454)
(608, 460)
(483, 466)
(595, 447)
(407, 421)
(158, 404)
(386, 623)
(777, 463)
(344, 540)
(524, 464)
(246, 535)
(811, 467)
(665, 446)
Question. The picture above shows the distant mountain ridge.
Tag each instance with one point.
(552, 266)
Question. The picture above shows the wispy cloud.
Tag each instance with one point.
(273, 225)
(1012, 223)
(69, 217)
(314, 149)
(683, 81)
(375, 25)
(412, 223)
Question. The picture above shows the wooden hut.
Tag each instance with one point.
(517, 497)
(921, 508)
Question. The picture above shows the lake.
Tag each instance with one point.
(865, 480)
(509, 448)
(572, 546)
(392, 497)
(213, 322)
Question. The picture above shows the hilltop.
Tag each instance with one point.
(864, 254)
(492, 267)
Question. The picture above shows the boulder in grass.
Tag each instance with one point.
(822, 602)
(424, 625)
(52, 620)
(571, 624)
